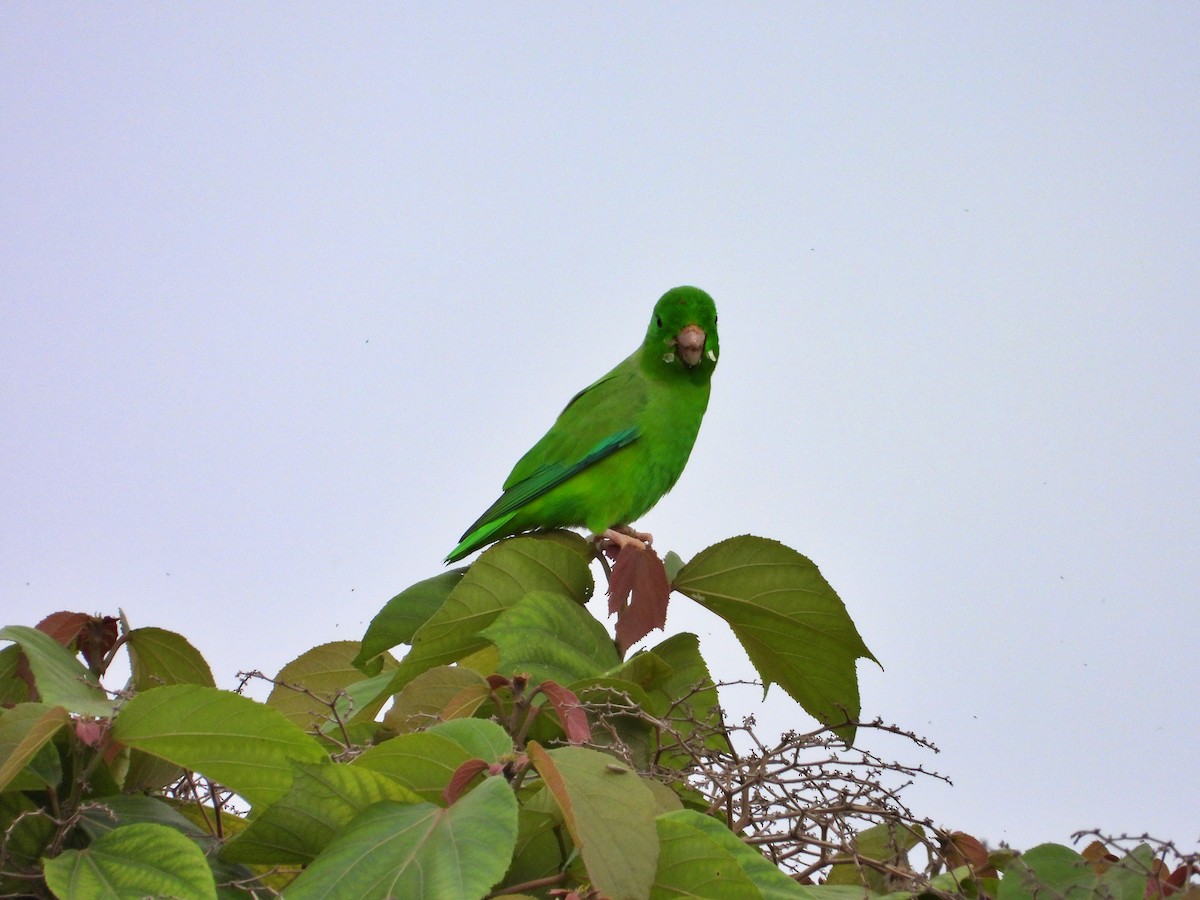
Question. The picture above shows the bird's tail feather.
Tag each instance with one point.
(482, 535)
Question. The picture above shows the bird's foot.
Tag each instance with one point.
(617, 538)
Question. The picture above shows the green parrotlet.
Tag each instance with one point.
(621, 443)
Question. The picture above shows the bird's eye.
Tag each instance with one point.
(658, 319)
(715, 319)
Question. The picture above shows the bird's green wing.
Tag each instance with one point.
(599, 421)
(545, 478)
(591, 422)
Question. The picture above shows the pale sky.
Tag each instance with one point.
(287, 289)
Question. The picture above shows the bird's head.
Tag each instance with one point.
(683, 330)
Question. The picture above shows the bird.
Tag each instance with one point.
(621, 443)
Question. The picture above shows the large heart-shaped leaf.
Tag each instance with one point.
(143, 860)
(323, 798)
(419, 850)
(767, 878)
(480, 738)
(691, 697)
(610, 814)
(421, 761)
(550, 637)
(504, 574)
(236, 742)
(401, 616)
(792, 624)
(1052, 870)
(159, 657)
(103, 814)
(692, 864)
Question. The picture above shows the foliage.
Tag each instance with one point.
(516, 749)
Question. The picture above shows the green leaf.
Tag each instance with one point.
(1052, 870)
(771, 883)
(609, 690)
(610, 814)
(1126, 878)
(401, 616)
(322, 799)
(318, 677)
(887, 843)
(24, 731)
(485, 660)
(692, 864)
(960, 881)
(539, 850)
(672, 563)
(361, 701)
(551, 637)
(27, 830)
(688, 683)
(504, 574)
(634, 683)
(629, 732)
(666, 799)
(421, 761)
(230, 739)
(419, 850)
(1048, 869)
(101, 815)
(792, 624)
(61, 679)
(133, 861)
(421, 702)
(650, 673)
(158, 657)
(479, 738)
(692, 700)
(13, 689)
(147, 772)
(1044, 866)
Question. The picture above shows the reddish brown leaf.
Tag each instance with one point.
(461, 778)
(570, 712)
(90, 731)
(1178, 877)
(638, 592)
(93, 636)
(1165, 885)
(96, 638)
(964, 850)
(1156, 883)
(64, 627)
(495, 682)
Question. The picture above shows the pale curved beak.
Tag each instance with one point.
(689, 344)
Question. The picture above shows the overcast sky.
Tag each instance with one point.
(287, 289)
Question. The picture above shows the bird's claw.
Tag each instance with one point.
(616, 539)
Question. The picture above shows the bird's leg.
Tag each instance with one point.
(643, 537)
(620, 536)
